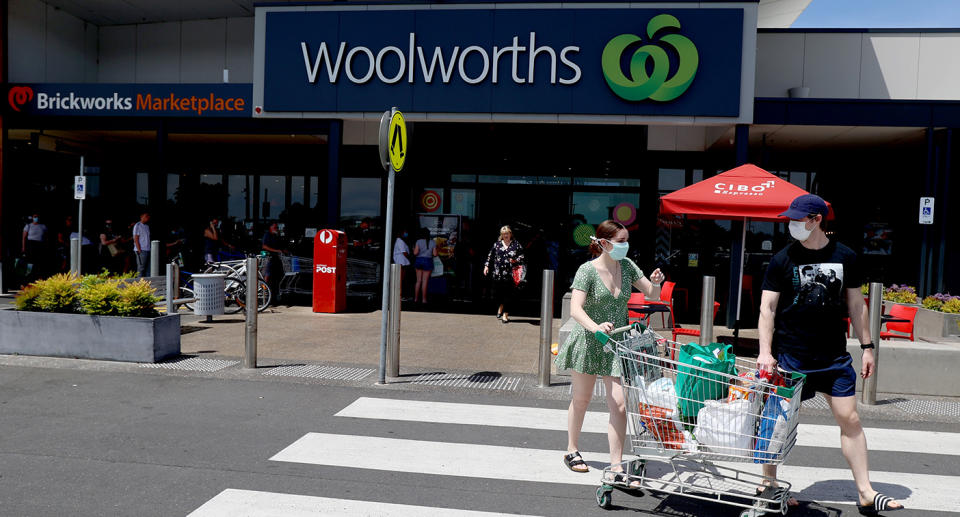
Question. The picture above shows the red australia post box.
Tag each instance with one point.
(329, 271)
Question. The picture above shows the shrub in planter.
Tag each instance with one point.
(952, 306)
(101, 297)
(57, 294)
(137, 300)
(27, 299)
(900, 294)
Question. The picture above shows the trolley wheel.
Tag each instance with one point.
(638, 468)
(750, 513)
(604, 497)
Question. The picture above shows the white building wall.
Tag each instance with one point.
(47, 45)
(859, 65)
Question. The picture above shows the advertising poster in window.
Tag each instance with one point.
(444, 230)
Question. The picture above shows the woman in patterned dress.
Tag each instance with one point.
(601, 289)
(505, 255)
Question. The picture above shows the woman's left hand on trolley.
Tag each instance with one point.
(657, 276)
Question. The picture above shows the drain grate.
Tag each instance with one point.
(930, 407)
(316, 371)
(194, 364)
(481, 381)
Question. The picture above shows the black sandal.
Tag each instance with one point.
(575, 460)
(881, 503)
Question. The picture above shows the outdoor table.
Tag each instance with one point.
(647, 309)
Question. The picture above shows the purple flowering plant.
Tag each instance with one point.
(900, 294)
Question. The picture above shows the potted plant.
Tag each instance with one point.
(939, 316)
(93, 317)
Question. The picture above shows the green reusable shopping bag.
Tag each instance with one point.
(699, 375)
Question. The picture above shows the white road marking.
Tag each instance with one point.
(809, 435)
(824, 485)
(248, 503)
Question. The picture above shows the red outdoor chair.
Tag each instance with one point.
(666, 298)
(900, 311)
(680, 331)
(638, 299)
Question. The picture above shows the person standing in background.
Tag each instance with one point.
(141, 244)
(401, 255)
(424, 250)
(34, 241)
(273, 245)
(505, 255)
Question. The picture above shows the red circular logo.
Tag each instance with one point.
(430, 201)
(19, 95)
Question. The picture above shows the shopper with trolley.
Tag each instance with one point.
(601, 289)
(802, 328)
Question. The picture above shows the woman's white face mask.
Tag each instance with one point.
(619, 250)
(799, 231)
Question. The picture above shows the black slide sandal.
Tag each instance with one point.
(575, 460)
(881, 503)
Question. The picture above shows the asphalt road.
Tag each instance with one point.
(84, 442)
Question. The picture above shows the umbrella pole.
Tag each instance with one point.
(743, 254)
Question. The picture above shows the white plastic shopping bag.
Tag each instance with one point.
(727, 427)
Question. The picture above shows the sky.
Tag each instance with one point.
(876, 14)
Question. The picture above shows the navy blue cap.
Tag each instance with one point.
(805, 205)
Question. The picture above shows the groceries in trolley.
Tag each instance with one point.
(695, 407)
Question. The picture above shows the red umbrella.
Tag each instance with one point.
(744, 193)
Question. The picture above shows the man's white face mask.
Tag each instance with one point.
(799, 231)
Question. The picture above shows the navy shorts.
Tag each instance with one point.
(423, 263)
(837, 378)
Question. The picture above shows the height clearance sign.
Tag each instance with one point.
(686, 62)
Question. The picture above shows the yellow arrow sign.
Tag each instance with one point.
(397, 138)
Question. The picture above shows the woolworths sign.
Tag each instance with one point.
(655, 62)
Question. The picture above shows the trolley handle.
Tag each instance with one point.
(603, 338)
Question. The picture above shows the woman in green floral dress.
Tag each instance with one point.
(601, 289)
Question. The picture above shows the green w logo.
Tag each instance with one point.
(656, 86)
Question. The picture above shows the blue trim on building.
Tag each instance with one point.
(826, 30)
(856, 112)
(458, 2)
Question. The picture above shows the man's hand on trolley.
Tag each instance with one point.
(766, 363)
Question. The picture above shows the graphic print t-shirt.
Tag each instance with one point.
(809, 321)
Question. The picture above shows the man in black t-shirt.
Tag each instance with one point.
(810, 288)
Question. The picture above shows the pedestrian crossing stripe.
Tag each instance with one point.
(809, 435)
(249, 503)
(824, 485)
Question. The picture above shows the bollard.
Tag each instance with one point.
(706, 310)
(75, 256)
(172, 289)
(155, 258)
(250, 335)
(393, 329)
(869, 394)
(546, 328)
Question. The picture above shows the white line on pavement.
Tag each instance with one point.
(825, 485)
(248, 503)
(878, 439)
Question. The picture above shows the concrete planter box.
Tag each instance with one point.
(115, 338)
(934, 325)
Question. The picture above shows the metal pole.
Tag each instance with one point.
(75, 256)
(172, 290)
(869, 394)
(393, 335)
(250, 336)
(706, 310)
(154, 258)
(546, 328)
(387, 252)
(80, 224)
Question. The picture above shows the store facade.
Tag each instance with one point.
(543, 117)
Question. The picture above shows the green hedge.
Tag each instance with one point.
(101, 294)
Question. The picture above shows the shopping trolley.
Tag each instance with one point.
(297, 275)
(695, 414)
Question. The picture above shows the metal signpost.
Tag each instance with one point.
(79, 193)
(393, 154)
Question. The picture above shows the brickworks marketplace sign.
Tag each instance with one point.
(130, 100)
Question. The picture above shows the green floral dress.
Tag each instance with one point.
(581, 351)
